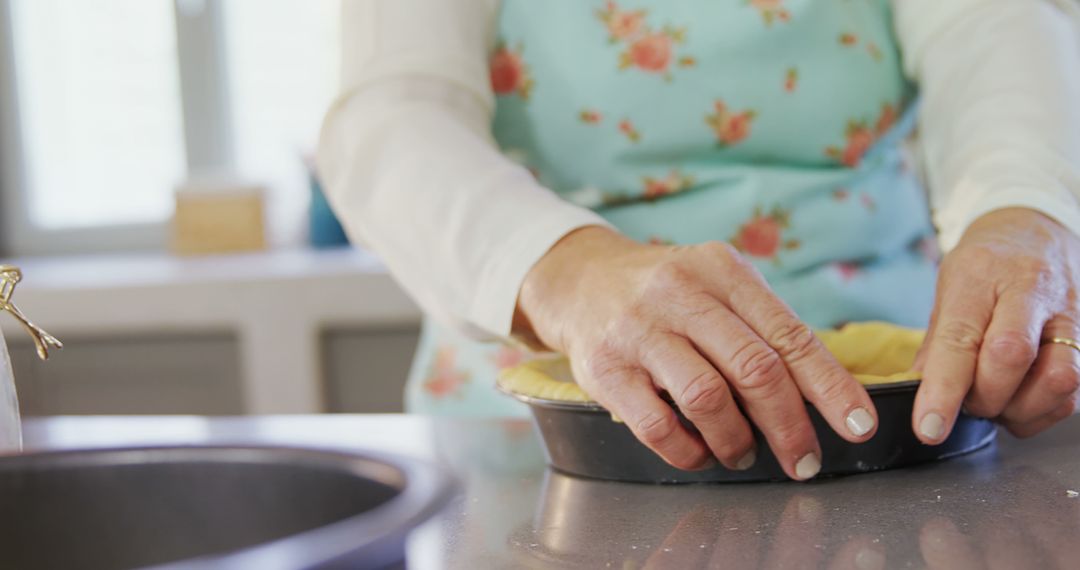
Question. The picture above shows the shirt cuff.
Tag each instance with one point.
(512, 258)
(1007, 182)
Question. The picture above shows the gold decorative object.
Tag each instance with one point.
(9, 278)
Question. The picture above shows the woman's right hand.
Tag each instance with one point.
(700, 323)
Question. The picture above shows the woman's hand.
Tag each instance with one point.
(700, 323)
(1011, 282)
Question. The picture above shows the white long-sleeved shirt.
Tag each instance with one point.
(410, 165)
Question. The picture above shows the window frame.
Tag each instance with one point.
(207, 129)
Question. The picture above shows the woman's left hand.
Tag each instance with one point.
(1011, 282)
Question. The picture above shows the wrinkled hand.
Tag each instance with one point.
(1010, 282)
(700, 323)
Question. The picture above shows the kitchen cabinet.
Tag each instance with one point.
(146, 374)
(362, 370)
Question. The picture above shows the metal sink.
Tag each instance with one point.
(220, 507)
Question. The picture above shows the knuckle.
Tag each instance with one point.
(960, 336)
(725, 253)
(759, 369)
(604, 365)
(1012, 349)
(793, 340)
(983, 257)
(670, 275)
(790, 436)
(633, 322)
(720, 249)
(1063, 379)
(1034, 271)
(655, 429)
(706, 393)
(836, 388)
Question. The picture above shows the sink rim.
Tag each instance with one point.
(424, 490)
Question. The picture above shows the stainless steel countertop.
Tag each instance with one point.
(1009, 506)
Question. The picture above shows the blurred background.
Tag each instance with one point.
(157, 192)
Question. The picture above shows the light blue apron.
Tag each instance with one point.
(775, 125)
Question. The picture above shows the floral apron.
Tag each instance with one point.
(774, 125)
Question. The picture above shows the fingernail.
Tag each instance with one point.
(747, 461)
(932, 427)
(860, 422)
(808, 466)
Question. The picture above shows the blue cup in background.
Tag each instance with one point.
(324, 229)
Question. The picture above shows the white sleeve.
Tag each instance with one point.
(410, 166)
(1000, 119)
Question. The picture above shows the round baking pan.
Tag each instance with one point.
(580, 438)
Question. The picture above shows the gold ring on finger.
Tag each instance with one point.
(1070, 342)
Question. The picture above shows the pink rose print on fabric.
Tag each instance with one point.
(444, 379)
(509, 73)
(771, 10)
(730, 128)
(507, 357)
(861, 136)
(848, 270)
(645, 48)
(622, 24)
(859, 140)
(650, 53)
(590, 117)
(850, 40)
(672, 183)
(840, 194)
(762, 236)
(886, 119)
(791, 79)
(627, 128)
(657, 240)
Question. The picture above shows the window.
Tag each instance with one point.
(283, 74)
(100, 114)
(111, 104)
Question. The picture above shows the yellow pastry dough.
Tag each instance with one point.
(874, 352)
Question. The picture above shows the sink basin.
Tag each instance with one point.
(220, 507)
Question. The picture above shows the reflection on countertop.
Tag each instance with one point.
(939, 518)
(1007, 506)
